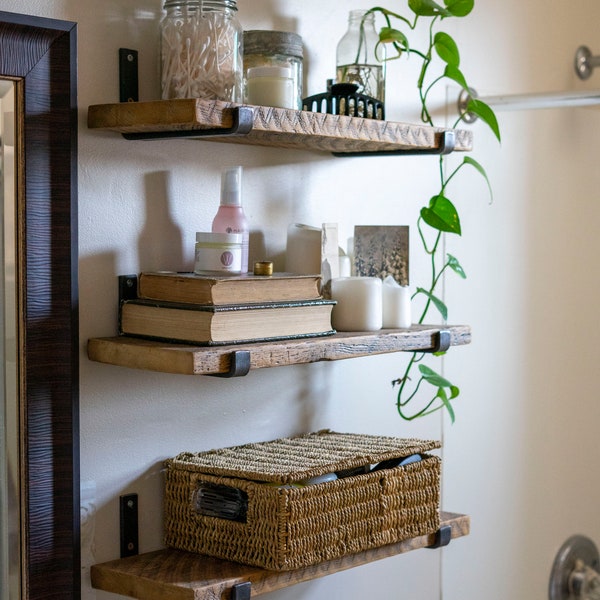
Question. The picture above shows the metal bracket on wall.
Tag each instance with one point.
(128, 287)
(239, 365)
(243, 121)
(128, 520)
(128, 75)
(241, 591)
(447, 145)
(443, 537)
(441, 341)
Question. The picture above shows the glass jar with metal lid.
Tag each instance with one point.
(280, 51)
(201, 50)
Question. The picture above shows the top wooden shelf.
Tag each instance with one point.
(275, 127)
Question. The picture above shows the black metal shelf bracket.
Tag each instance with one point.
(447, 145)
(243, 121)
(241, 591)
(128, 287)
(443, 537)
(239, 365)
(441, 341)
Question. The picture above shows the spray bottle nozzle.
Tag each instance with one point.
(231, 186)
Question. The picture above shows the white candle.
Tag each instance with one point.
(359, 303)
(345, 266)
(271, 86)
(396, 305)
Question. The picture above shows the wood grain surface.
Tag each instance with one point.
(205, 360)
(177, 575)
(276, 127)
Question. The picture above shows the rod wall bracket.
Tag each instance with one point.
(585, 62)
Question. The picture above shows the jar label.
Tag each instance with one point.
(217, 257)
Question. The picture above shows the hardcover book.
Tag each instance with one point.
(218, 289)
(226, 324)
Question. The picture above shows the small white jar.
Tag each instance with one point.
(271, 86)
(218, 252)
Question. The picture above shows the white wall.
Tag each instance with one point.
(521, 457)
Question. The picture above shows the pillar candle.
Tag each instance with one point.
(359, 303)
(396, 305)
(345, 266)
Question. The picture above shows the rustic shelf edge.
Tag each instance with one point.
(183, 359)
(179, 575)
(276, 127)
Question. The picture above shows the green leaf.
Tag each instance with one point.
(453, 263)
(441, 394)
(428, 8)
(388, 35)
(454, 73)
(471, 161)
(433, 378)
(441, 215)
(441, 383)
(459, 8)
(436, 301)
(486, 114)
(446, 48)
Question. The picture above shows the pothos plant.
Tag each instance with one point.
(440, 216)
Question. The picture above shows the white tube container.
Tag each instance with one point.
(359, 303)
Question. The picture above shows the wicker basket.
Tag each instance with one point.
(268, 522)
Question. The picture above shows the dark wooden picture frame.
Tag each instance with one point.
(40, 55)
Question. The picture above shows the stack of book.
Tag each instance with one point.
(214, 309)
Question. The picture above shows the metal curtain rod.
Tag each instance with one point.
(585, 63)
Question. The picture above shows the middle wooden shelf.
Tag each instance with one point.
(184, 359)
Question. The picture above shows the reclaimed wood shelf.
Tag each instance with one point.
(152, 355)
(179, 575)
(276, 127)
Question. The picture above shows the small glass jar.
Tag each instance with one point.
(271, 86)
(356, 59)
(201, 50)
(218, 252)
(280, 49)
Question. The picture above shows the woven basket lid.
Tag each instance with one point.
(293, 459)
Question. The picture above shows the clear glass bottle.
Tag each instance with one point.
(356, 59)
(201, 50)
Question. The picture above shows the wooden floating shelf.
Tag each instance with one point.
(179, 575)
(276, 127)
(137, 353)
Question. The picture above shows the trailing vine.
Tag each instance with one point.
(440, 215)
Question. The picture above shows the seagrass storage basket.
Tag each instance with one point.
(245, 504)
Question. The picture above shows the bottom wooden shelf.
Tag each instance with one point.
(179, 575)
